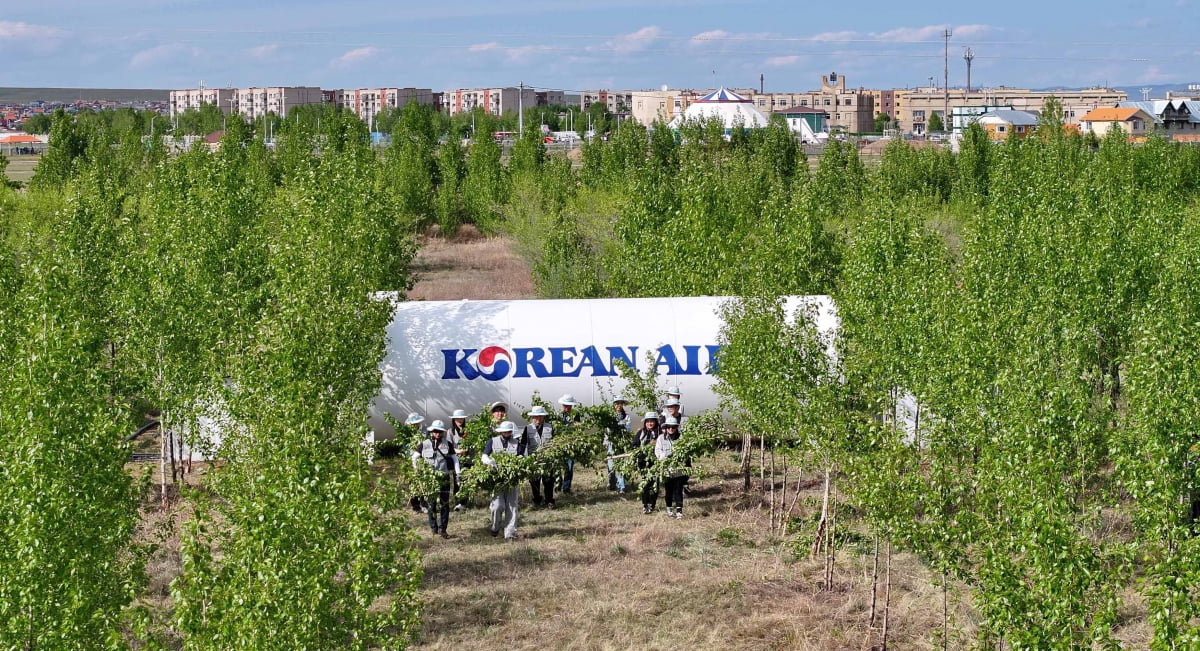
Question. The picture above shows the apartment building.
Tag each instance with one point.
(921, 104)
(886, 101)
(850, 110)
(193, 98)
(366, 103)
(492, 100)
(253, 103)
(617, 101)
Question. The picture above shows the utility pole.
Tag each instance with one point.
(945, 78)
(761, 85)
(968, 56)
(521, 109)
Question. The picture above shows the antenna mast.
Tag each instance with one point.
(968, 56)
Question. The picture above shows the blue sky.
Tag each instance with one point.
(582, 45)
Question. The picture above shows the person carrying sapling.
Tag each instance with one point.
(504, 501)
(438, 452)
(676, 477)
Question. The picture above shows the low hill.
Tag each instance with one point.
(12, 95)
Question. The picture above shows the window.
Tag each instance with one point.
(803, 102)
(846, 102)
(1000, 128)
(826, 101)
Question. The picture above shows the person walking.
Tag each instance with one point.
(438, 452)
(568, 417)
(616, 482)
(537, 433)
(457, 435)
(676, 477)
(504, 501)
(643, 443)
(412, 434)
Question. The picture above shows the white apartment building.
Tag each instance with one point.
(193, 98)
(252, 103)
(492, 100)
(366, 103)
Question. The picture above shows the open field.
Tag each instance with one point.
(14, 95)
(598, 574)
(20, 168)
(469, 266)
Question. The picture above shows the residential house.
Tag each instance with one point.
(1134, 122)
(1002, 124)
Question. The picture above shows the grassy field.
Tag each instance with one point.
(20, 168)
(596, 573)
(469, 266)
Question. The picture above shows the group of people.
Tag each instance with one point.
(443, 449)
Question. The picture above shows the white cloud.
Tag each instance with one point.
(905, 34)
(711, 35)
(1154, 75)
(780, 62)
(356, 55)
(516, 54)
(21, 31)
(40, 39)
(263, 52)
(161, 54)
(837, 36)
(635, 41)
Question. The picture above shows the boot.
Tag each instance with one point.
(670, 511)
(679, 512)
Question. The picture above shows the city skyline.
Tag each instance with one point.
(621, 44)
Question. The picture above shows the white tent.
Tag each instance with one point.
(732, 109)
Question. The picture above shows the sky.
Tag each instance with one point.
(576, 45)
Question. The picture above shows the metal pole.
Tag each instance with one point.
(521, 109)
(945, 78)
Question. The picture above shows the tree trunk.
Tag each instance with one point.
(874, 582)
(819, 538)
(887, 597)
(831, 543)
(945, 613)
(772, 489)
(762, 464)
(747, 447)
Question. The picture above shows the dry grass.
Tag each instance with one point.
(20, 168)
(597, 574)
(469, 266)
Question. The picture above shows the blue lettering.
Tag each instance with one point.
(455, 363)
(499, 371)
(560, 359)
(530, 358)
(712, 359)
(693, 361)
(617, 353)
(666, 357)
(592, 359)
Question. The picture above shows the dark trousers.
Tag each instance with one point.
(542, 487)
(568, 475)
(439, 507)
(649, 493)
(674, 486)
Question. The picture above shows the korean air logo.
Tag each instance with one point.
(494, 363)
